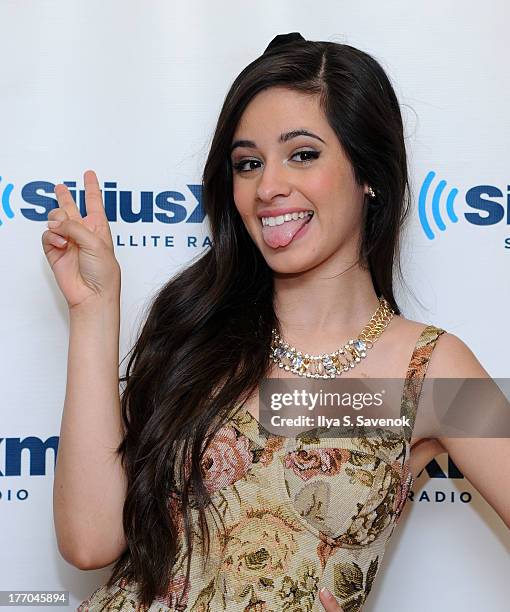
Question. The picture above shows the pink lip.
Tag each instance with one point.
(282, 211)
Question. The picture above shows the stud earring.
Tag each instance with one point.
(371, 192)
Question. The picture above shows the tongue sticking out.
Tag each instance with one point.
(281, 235)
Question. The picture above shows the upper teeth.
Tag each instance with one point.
(288, 217)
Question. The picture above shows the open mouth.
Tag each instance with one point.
(278, 232)
(281, 219)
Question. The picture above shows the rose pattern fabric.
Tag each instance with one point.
(226, 459)
(298, 514)
(257, 549)
(322, 461)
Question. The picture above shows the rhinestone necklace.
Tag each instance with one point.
(331, 365)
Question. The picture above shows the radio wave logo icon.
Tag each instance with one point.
(437, 195)
(6, 205)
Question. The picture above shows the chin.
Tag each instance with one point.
(287, 263)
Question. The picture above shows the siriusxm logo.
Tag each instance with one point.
(434, 470)
(436, 207)
(430, 199)
(165, 207)
(36, 450)
(6, 205)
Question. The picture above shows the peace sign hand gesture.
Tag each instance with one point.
(80, 249)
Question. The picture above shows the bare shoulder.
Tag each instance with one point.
(403, 333)
(474, 455)
(451, 357)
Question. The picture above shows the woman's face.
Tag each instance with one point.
(277, 170)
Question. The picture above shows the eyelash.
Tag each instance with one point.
(239, 165)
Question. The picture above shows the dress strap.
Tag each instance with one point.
(416, 373)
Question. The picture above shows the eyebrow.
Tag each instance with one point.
(250, 144)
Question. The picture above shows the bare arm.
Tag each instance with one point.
(90, 484)
(484, 461)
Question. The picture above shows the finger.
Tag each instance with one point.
(96, 213)
(57, 214)
(51, 247)
(76, 231)
(328, 601)
(66, 202)
(50, 239)
(93, 198)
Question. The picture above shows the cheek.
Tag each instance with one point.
(334, 191)
(329, 186)
(328, 196)
(242, 199)
(323, 184)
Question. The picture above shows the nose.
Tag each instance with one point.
(273, 182)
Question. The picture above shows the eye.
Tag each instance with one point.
(312, 154)
(240, 165)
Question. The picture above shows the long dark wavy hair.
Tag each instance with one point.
(204, 346)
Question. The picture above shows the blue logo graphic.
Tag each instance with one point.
(435, 205)
(167, 207)
(24, 457)
(172, 211)
(6, 205)
(482, 200)
(170, 208)
(37, 453)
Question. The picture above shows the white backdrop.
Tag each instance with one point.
(133, 91)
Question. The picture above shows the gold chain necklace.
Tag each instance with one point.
(331, 365)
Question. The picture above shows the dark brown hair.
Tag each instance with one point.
(205, 343)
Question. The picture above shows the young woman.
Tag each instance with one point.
(306, 191)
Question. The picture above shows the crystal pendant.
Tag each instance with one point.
(279, 352)
(297, 362)
(329, 366)
(359, 345)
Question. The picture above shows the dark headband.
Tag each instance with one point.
(283, 39)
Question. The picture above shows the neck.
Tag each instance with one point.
(318, 312)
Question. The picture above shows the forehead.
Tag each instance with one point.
(277, 109)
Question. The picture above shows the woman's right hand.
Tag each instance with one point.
(84, 265)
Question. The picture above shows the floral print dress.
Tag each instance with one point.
(298, 514)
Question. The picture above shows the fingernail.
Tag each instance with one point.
(61, 241)
(326, 593)
(54, 223)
